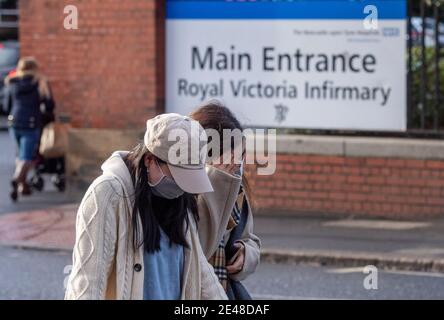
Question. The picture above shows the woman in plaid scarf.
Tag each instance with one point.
(221, 210)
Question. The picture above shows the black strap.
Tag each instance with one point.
(236, 233)
(236, 290)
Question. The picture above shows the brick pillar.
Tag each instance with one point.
(108, 74)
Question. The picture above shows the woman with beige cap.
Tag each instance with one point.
(136, 234)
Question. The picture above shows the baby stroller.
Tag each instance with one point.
(54, 166)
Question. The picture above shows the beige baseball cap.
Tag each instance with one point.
(178, 140)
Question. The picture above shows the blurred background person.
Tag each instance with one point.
(29, 105)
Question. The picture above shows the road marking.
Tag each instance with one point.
(258, 296)
(400, 272)
(377, 224)
(416, 273)
(346, 270)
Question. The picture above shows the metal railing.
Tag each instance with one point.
(425, 77)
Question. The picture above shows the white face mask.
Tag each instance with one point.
(166, 187)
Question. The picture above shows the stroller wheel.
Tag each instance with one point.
(59, 183)
(37, 183)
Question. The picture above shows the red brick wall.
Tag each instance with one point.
(109, 72)
(360, 186)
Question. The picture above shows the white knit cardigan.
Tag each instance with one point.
(105, 265)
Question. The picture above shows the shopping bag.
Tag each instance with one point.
(54, 140)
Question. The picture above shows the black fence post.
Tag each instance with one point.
(423, 84)
(409, 65)
(437, 105)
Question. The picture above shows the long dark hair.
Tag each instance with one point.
(214, 115)
(156, 212)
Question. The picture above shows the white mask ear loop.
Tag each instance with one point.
(161, 178)
(157, 164)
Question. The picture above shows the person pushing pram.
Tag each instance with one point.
(30, 106)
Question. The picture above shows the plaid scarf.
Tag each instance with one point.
(218, 260)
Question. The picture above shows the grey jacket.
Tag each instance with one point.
(214, 213)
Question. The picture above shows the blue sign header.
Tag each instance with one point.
(288, 9)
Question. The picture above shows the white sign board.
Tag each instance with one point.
(304, 64)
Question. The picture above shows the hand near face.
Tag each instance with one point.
(230, 168)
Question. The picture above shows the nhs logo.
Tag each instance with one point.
(390, 32)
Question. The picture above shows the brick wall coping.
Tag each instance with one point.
(361, 146)
(343, 146)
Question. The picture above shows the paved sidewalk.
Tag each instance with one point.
(422, 239)
(49, 229)
(415, 245)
